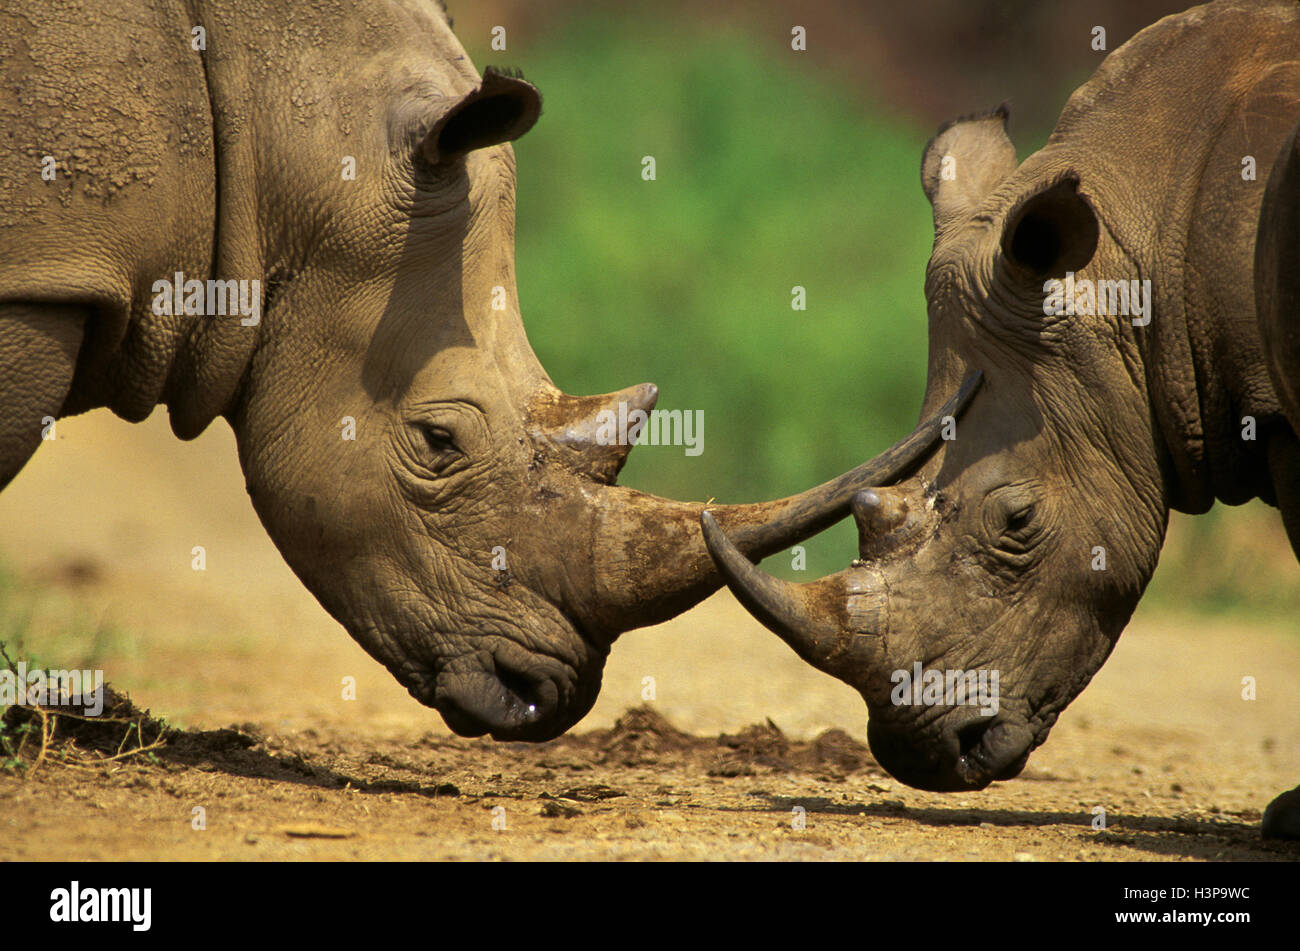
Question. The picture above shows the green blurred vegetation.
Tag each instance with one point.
(1233, 561)
(767, 178)
(770, 174)
(70, 636)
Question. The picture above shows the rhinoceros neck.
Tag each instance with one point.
(1179, 200)
(1211, 398)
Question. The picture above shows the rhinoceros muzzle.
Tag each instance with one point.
(958, 757)
(512, 694)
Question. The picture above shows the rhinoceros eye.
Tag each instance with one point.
(441, 446)
(1020, 519)
(1021, 528)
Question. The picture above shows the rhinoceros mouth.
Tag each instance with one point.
(978, 752)
(504, 704)
(510, 692)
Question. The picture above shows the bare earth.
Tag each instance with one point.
(100, 529)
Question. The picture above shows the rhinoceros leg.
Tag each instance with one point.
(38, 355)
(1282, 817)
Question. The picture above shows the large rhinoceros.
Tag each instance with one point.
(1021, 548)
(347, 170)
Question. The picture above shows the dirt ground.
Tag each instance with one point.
(710, 740)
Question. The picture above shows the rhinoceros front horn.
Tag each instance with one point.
(648, 561)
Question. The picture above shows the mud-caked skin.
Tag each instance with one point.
(402, 445)
(1023, 545)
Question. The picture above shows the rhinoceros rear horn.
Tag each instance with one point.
(502, 109)
(586, 428)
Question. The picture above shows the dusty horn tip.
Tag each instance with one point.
(878, 511)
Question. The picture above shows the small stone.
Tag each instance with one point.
(554, 809)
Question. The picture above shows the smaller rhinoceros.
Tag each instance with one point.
(1105, 288)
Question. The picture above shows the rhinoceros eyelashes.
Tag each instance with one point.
(1052, 231)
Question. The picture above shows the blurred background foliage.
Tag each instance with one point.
(776, 169)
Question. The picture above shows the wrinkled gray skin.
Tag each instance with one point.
(377, 305)
(1088, 430)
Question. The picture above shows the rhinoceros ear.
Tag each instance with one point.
(502, 109)
(1051, 231)
(964, 162)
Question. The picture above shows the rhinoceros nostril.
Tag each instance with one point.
(507, 703)
(521, 692)
(971, 734)
(993, 748)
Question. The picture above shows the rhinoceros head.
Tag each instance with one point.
(992, 584)
(402, 444)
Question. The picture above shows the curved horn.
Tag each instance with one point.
(822, 621)
(826, 504)
(781, 606)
